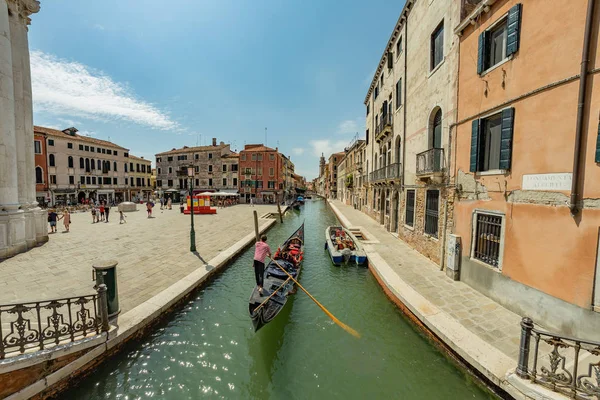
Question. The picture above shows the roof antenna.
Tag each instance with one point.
(265, 136)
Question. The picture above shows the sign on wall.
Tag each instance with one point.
(560, 181)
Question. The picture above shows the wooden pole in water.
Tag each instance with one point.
(279, 209)
(256, 226)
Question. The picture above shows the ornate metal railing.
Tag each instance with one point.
(391, 171)
(430, 161)
(564, 358)
(36, 325)
(386, 120)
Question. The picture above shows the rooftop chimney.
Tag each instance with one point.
(222, 143)
(214, 141)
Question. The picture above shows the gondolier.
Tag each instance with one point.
(262, 250)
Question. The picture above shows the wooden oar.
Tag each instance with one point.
(330, 315)
(271, 295)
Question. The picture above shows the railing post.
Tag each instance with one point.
(103, 307)
(526, 328)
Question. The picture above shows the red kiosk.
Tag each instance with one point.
(201, 205)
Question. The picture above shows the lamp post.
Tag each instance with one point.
(190, 172)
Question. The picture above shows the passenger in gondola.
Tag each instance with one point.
(262, 250)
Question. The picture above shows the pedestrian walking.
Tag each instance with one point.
(122, 218)
(107, 211)
(93, 215)
(261, 251)
(149, 206)
(181, 207)
(66, 217)
(52, 217)
(251, 202)
(169, 203)
(102, 211)
(162, 202)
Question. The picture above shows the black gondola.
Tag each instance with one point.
(277, 285)
(296, 206)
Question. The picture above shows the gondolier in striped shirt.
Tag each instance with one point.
(262, 250)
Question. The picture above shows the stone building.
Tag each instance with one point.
(208, 162)
(288, 180)
(42, 194)
(331, 190)
(81, 167)
(262, 174)
(527, 160)
(140, 176)
(410, 107)
(22, 223)
(353, 173)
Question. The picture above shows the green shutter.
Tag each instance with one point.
(474, 145)
(508, 117)
(598, 145)
(481, 53)
(513, 28)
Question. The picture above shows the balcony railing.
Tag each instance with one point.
(385, 121)
(430, 161)
(392, 171)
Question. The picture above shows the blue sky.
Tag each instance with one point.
(152, 75)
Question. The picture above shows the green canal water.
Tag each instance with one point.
(209, 349)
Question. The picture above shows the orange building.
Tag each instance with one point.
(527, 218)
(42, 194)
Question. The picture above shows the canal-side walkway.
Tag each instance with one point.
(482, 332)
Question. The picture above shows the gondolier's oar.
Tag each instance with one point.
(330, 315)
(271, 295)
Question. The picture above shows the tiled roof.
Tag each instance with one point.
(257, 147)
(186, 149)
(131, 156)
(62, 135)
(233, 154)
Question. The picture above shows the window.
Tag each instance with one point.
(127, 181)
(88, 180)
(37, 147)
(158, 159)
(399, 46)
(209, 156)
(368, 108)
(131, 167)
(234, 167)
(271, 184)
(272, 157)
(93, 180)
(98, 150)
(50, 142)
(224, 181)
(125, 154)
(399, 93)
(99, 165)
(81, 163)
(137, 167)
(259, 171)
(87, 165)
(259, 184)
(381, 79)
(432, 212)
(197, 182)
(376, 91)
(93, 163)
(138, 182)
(53, 179)
(170, 171)
(158, 182)
(51, 160)
(71, 180)
(39, 175)
(210, 168)
(196, 169)
(437, 46)
(108, 151)
(114, 153)
(103, 151)
(106, 181)
(125, 166)
(235, 182)
(144, 168)
(69, 145)
(243, 157)
(115, 166)
(487, 238)
(114, 181)
(367, 136)
(491, 142)
(271, 171)
(92, 149)
(196, 156)
(80, 147)
(82, 180)
(254, 157)
(436, 130)
(170, 182)
(209, 181)
(108, 165)
(224, 167)
(259, 157)
(87, 148)
(500, 41)
(169, 158)
(495, 45)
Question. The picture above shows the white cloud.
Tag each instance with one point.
(327, 147)
(298, 151)
(62, 87)
(86, 133)
(350, 126)
(99, 27)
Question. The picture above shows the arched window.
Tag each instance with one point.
(70, 162)
(93, 163)
(398, 149)
(436, 129)
(81, 163)
(114, 165)
(99, 164)
(51, 160)
(39, 175)
(125, 167)
(87, 165)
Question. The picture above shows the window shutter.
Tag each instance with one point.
(513, 28)
(474, 145)
(508, 117)
(598, 145)
(481, 53)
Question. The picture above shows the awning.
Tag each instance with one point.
(171, 190)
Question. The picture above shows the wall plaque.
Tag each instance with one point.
(561, 181)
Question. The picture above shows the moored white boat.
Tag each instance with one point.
(343, 246)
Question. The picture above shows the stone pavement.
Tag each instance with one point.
(482, 316)
(152, 253)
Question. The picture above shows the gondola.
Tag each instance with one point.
(343, 246)
(296, 206)
(277, 285)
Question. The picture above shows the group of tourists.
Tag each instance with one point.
(166, 204)
(53, 218)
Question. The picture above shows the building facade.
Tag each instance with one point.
(208, 162)
(140, 179)
(83, 168)
(42, 194)
(23, 224)
(262, 174)
(331, 188)
(527, 218)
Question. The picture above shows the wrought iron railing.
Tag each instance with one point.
(384, 121)
(391, 171)
(37, 325)
(430, 161)
(564, 358)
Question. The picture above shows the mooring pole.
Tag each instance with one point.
(256, 226)
(279, 209)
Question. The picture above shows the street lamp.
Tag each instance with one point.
(190, 173)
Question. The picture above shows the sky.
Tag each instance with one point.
(152, 75)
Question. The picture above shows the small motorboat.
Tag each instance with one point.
(343, 246)
(300, 199)
(277, 285)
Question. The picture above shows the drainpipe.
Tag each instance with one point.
(575, 197)
(405, 104)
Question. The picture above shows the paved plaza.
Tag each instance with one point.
(481, 315)
(153, 253)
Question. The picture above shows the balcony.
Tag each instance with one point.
(430, 163)
(384, 127)
(389, 173)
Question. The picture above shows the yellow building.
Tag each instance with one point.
(140, 173)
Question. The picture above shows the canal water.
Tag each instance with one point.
(209, 349)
